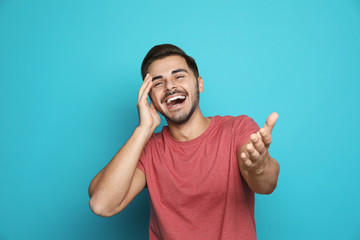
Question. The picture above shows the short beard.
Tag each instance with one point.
(185, 117)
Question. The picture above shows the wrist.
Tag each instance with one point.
(144, 131)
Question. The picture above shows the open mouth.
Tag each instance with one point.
(175, 100)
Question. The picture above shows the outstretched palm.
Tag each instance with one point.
(255, 153)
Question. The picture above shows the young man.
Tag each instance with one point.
(201, 172)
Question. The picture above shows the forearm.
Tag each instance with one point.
(111, 184)
(264, 179)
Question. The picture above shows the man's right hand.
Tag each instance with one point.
(117, 184)
(148, 115)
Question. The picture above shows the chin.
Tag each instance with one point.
(183, 118)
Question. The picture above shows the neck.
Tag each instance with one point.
(193, 128)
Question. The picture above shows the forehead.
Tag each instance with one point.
(167, 65)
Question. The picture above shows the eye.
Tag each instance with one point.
(157, 83)
(180, 76)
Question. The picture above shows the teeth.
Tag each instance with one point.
(174, 98)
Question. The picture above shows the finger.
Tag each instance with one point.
(258, 143)
(254, 155)
(145, 91)
(266, 136)
(270, 122)
(144, 85)
(245, 159)
(143, 97)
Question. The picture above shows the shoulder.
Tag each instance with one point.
(232, 121)
(157, 138)
(154, 141)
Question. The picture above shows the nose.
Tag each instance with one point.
(169, 85)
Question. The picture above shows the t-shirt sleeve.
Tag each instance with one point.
(245, 126)
(140, 165)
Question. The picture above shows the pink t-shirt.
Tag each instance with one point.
(195, 187)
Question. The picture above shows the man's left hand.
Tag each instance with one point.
(255, 155)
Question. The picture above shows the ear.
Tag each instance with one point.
(201, 84)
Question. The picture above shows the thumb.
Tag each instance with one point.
(270, 122)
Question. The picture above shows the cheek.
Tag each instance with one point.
(155, 98)
(193, 88)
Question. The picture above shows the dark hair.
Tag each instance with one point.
(165, 50)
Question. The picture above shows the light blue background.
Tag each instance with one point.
(69, 76)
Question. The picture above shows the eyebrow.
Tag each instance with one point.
(178, 70)
(172, 73)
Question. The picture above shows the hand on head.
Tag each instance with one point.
(148, 115)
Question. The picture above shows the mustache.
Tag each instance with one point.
(167, 94)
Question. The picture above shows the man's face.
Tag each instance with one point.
(175, 90)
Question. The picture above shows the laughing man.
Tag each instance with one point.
(201, 172)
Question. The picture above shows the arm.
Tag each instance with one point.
(117, 184)
(257, 167)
